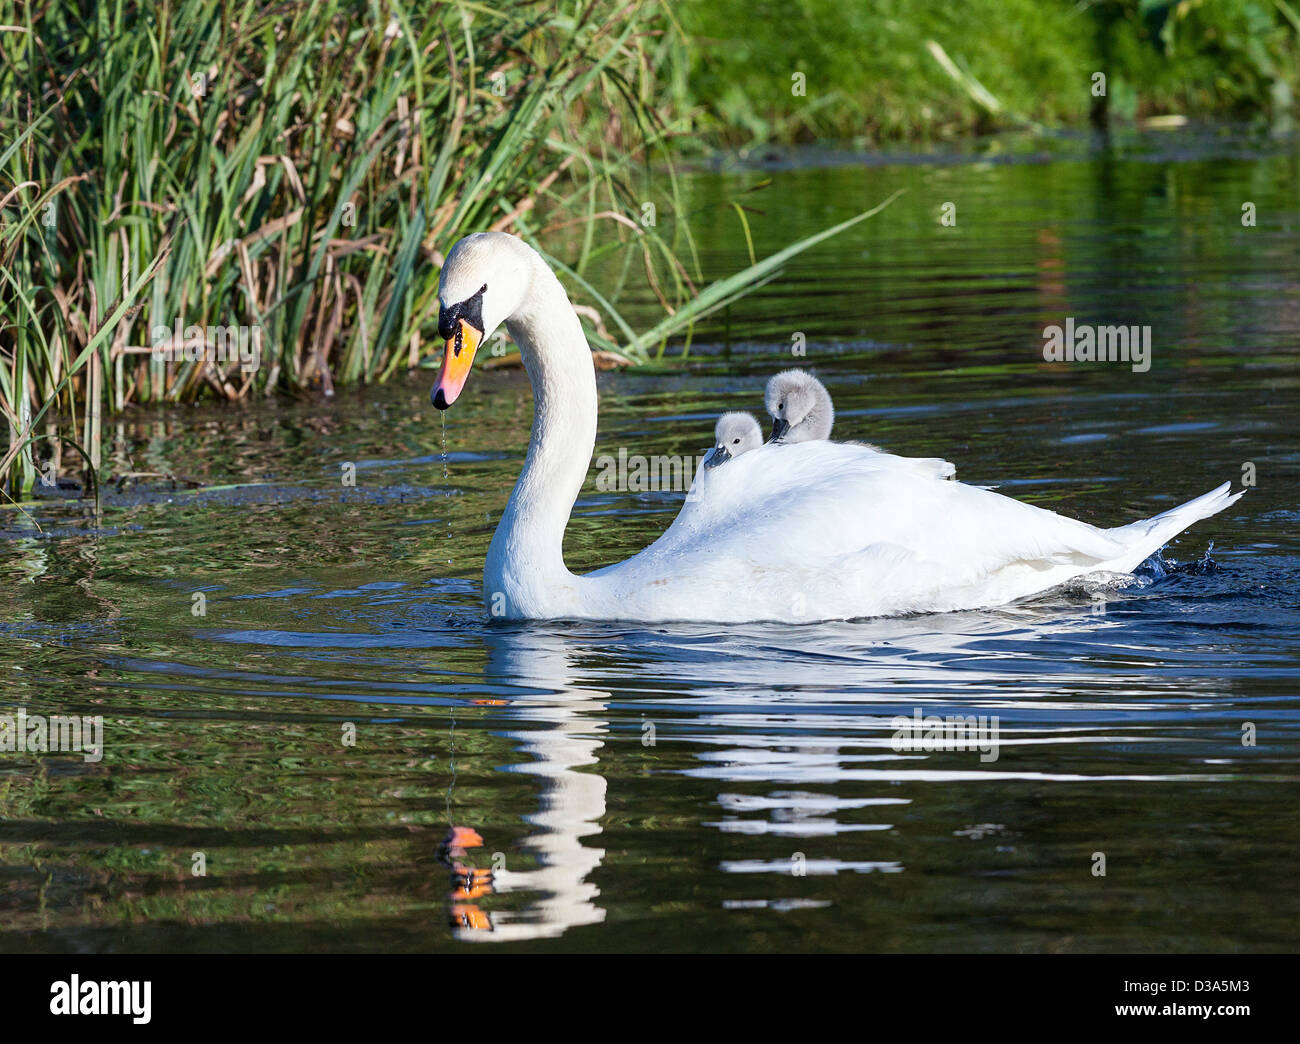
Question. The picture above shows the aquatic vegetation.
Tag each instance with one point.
(246, 198)
(243, 198)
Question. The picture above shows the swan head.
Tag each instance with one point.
(484, 281)
(735, 433)
(800, 406)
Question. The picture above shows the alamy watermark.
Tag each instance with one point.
(59, 733)
(930, 733)
(1084, 342)
(131, 997)
(635, 473)
(215, 344)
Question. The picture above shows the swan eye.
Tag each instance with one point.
(470, 310)
(735, 442)
(780, 405)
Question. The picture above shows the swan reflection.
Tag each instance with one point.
(780, 736)
(569, 808)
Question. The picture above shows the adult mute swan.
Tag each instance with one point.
(798, 533)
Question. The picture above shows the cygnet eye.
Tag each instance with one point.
(780, 405)
(735, 442)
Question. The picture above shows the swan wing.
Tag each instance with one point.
(821, 531)
(931, 467)
(820, 499)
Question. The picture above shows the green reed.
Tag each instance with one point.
(299, 169)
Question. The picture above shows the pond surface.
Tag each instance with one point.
(345, 747)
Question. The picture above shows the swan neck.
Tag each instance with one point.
(526, 559)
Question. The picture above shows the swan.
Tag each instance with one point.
(800, 407)
(795, 533)
(802, 411)
(734, 434)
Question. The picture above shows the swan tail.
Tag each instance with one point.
(1148, 536)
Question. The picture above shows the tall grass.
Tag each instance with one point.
(298, 168)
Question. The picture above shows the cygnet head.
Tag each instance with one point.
(735, 433)
(800, 407)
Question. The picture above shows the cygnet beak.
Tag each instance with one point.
(720, 455)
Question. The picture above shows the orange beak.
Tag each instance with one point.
(467, 915)
(472, 883)
(457, 359)
(464, 837)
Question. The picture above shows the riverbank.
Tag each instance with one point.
(917, 71)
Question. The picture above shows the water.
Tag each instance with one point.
(657, 788)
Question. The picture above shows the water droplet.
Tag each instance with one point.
(445, 473)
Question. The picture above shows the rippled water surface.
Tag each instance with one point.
(609, 787)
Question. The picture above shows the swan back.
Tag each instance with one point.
(825, 530)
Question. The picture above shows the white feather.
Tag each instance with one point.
(810, 531)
